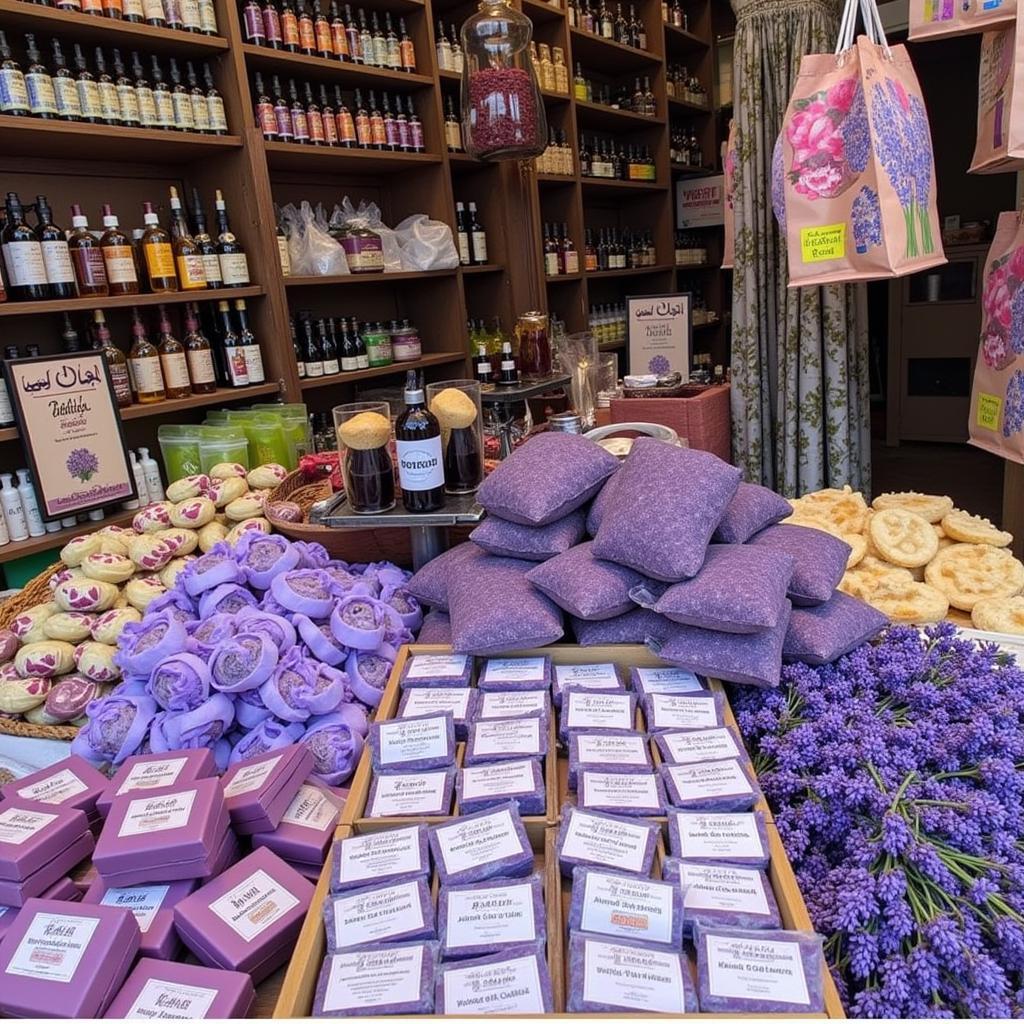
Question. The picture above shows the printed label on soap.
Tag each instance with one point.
(507, 736)
(153, 774)
(719, 835)
(613, 844)
(396, 796)
(590, 677)
(513, 670)
(476, 841)
(54, 789)
(619, 789)
(142, 900)
(674, 711)
(17, 825)
(311, 809)
(598, 711)
(251, 776)
(377, 916)
(171, 1000)
(701, 745)
(634, 908)
(709, 779)
(766, 969)
(508, 778)
(510, 987)
(53, 946)
(253, 905)
(668, 680)
(380, 854)
(157, 813)
(374, 978)
(714, 887)
(484, 916)
(413, 740)
(436, 666)
(512, 703)
(612, 750)
(637, 979)
(433, 700)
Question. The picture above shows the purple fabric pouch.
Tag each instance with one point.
(585, 586)
(820, 560)
(635, 627)
(752, 509)
(534, 543)
(429, 585)
(827, 631)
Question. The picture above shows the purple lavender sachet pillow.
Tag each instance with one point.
(263, 557)
(116, 729)
(585, 586)
(534, 543)
(666, 505)
(827, 631)
(545, 479)
(299, 688)
(634, 627)
(739, 589)
(752, 509)
(600, 504)
(180, 682)
(495, 609)
(429, 585)
(820, 560)
(436, 628)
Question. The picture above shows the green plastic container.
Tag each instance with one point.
(179, 446)
(223, 444)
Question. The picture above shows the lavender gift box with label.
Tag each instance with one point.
(258, 791)
(413, 744)
(422, 702)
(390, 912)
(617, 750)
(596, 711)
(668, 679)
(663, 711)
(157, 771)
(396, 855)
(604, 676)
(506, 739)
(487, 844)
(626, 906)
(512, 704)
(517, 981)
(480, 787)
(694, 745)
(633, 794)
(425, 794)
(500, 675)
(71, 783)
(723, 894)
(304, 832)
(604, 840)
(730, 838)
(156, 988)
(437, 670)
(725, 785)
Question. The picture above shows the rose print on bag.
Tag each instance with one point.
(82, 464)
(820, 167)
(867, 220)
(1002, 302)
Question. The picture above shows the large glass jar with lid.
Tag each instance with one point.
(502, 111)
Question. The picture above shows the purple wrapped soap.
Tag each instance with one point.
(320, 640)
(422, 794)
(280, 631)
(181, 682)
(749, 971)
(227, 599)
(485, 917)
(70, 696)
(243, 662)
(622, 750)
(596, 711)
(304, 590)
(631, 793)
(304, 832)
(392, 912)
(506, 739)
(626, 906)
(300, 687)
(358, 622)
(670, 679)
(217, 566)
(157, 989)
(710, 786)
(705, 710)
(263, 557)
(723, 894)
(513, 704)
(258, 791)
(39, 845)
(732, 838)
(605, 840)
(116, 728)
(489, 785)
(155, 771)
(205, 634)
(604, 676)
(205, 726)
(153, 907)
(397, 855)
(487, 844)
(501, 674)
(368, 674)
(143, 644)
(392, 978)
(413, 744)
(515, 981)
(437, 670)
(266, 736)
(70, 783)
(461, 701)
(336, 742)
(695, 745)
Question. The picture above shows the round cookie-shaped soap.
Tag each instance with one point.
(27, 626)
(169, 573)
(210, 534)
(150, 553)
(142, 590)
(106, 628)
(183, 540)
(45, 658)
(109, 568)
(188, 487)
(223, 470)
(84, 595)
(70, 626)
(246, 507)
(96, 661)
(78, 547)
(270, 474)
(193, 513)
(259, 523)
(153, 518)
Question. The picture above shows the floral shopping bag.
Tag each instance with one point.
(1000, 140)
(858, 174)
(935, 19)
(729, 171)
(997, 395)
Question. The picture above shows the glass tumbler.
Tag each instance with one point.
(456, 404)
(364, 433)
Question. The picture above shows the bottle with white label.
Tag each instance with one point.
(36, 527)
(14, 513)
(154, 485)
(60, 272)
(5, 537)
(23, 255)
(477, 237)
(140, 482)
(420, 458)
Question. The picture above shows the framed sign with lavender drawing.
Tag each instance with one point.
(660, 333)
(68, 421)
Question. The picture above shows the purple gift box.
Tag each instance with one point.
(397, 855)
(248, 918)
(670, 679)
(437, 670)
(65, 890)
(604, 676)
(634, 794)
(605, 840)
(157, 771)
(187, 991)
(257, 792)
(70, 783)
(305, 831)
(596, 711)
(387, 912)
(38, 847)
(515, 982)
(411, 794)
(487, 844)
(500, 675)
(723, 894)
(618, 750)
(691, 746)
(626, 906)
(731, 838)
(506, 739)
(413, 744)
(684, 711)
(7, 918)
(163, 834)
(153, 907)
(726, 785)
(512, 704)
(486, 917)
(483, 786)
(422, 702)
(65, 960)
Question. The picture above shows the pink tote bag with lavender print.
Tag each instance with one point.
(857, 172)
(1000, 140)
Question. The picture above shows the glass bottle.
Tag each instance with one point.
(339, 37)
(462, 234)
(380, 43)
(328, 348)
(391, 141)
(214, 104)
(250, 346)
(347, 132)
(366, 47)
(415, 127)
(173, 364)
(407, 48)
(234, 267)
(458, 56)
(378, 137)
(252, 24)
(60, 272)
(362, 356)
(307, 31)
(13, 90)
(364, 137)
(402, 126)
(444, 48)
(106, 90)
(551, 261)
(234, 355)
(39, 83)
(158, 255)
(452, 128)
(283, 255)
(117, 364)
(181, 102)
(561, 71)
(162, 97)
(289, 27)
(118, 257)
(282, 113)
(207, 18)
(394, 49)
(271, 25)
(188, 260)
(23, 255)
(322, 32)
(579, 83)
(477, 237)
(508, 373)
(144, 365)
(355, 42)
(204, 244)
(300, 123)
(420, 456)
(132, 11)
(328, 118)
(314, 118)
(570, 254)
(198, 354)
(311, 354)
(200, 108)
(172, 15)
(154, 13)
(144, 95)
(349, 357)
(86, 256)
(300, 362)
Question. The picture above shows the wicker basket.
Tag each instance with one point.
(36, 591)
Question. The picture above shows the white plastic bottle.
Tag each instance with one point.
(5, 537)
(52, 525)
(17, 527)
(36, 526)
(154, 485)
(140, 482)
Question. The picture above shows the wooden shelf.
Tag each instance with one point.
(432, 359)
(597, 115)
(288, 156)
(550, 96)
(352, 280)
(607, 56)
(448, 76)
(687, 267)
(263, 58)
(537, 10)
(557, 179)
(628, 272)
(483, 268)
(23, 548)
(676, 105)
(680, 40)
(564, 278)
(689, 171)
(91, 302)
(612, 186)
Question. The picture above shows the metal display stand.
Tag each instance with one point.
(504, 397)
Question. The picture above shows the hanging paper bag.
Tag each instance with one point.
(997, 395)
(1000, 140)
(981, 15)
(936, 19)
(859, 176)
(729, 170)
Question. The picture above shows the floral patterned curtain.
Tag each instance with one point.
(800, 388)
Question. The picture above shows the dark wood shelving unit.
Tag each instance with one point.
(340, 379)
(33, 545)
(352, 280)
(288, 156)
(366, 76)
(12, 309)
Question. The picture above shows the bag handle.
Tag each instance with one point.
(873, 28)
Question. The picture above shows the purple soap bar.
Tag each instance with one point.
(38, 847)
(617, 750)
(499, 675)
(626, 906)
(391, 912)
(691, 746)
(486, 917)
(669, 679)
(596, 711)
(630, 793)
(723, 894)
(515, 982)
(411, 794)
(618, 976)
(153, 907)
(258, 791)
(606, 841)
(413, 744)
(187, 991)
(506, 739)
(684, 711)
(392, 978)
(305, 831)
(437, 670)
(604, 676)
(730, 838)
(711, 785)
(487, 844)
(248, 918)
(482, 786)
(422, 702)
(398, 855)
(512, 704)
(749, 971)
(71, 783)
(157, 771)
(65, 960)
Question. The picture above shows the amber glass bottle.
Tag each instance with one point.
(158, 255)
(173, 363)
(199, 353)
(118, 260)
(188, 260)
(144, 365)
(116, 361)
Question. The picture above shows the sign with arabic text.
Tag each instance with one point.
(660, 333)
(67, 417)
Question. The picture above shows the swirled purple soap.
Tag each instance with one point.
(392, 912)
(604, 676)
(692, 746)
(514, 982)
(733, 838)
(617, 750)
(437, 670)
(723, 894)
(413, 744)
(422, 702)
(397, 855)
(684, 711)
(594, 710)
(479, 846)
(411, 794)
(479, 787)
(664, 679)
(630, 793)
(485, 917)
(604, 840)
(503, 674)
(626, 906)
(506, 739)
